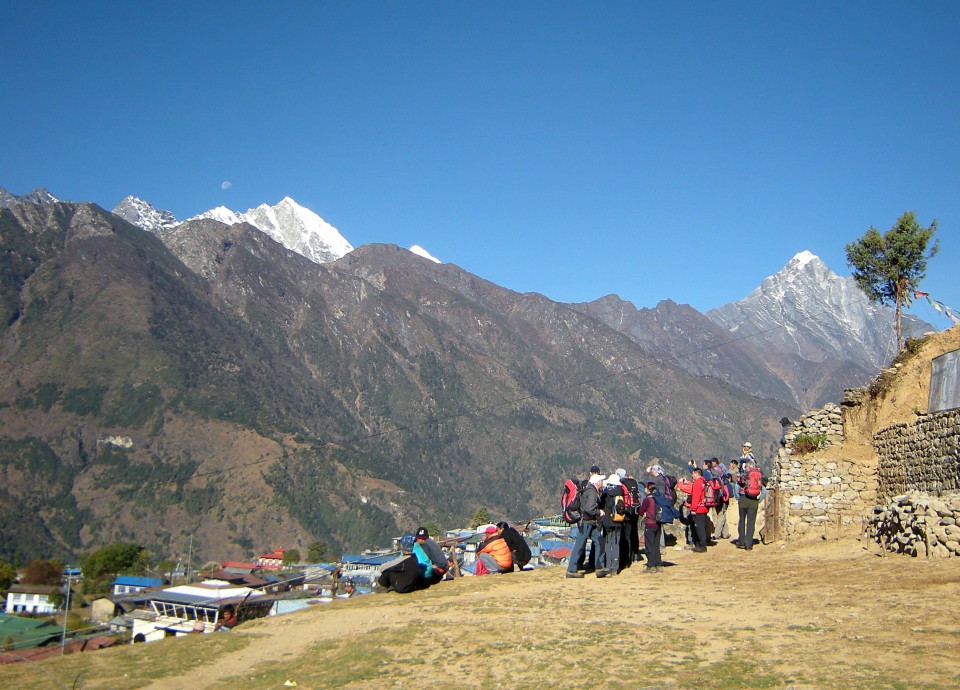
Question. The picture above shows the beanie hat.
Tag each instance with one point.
(406, 542)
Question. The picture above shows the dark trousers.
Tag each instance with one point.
(748, 520)
(700, 529)
(651, 541)
(611, 540)
(629, 541)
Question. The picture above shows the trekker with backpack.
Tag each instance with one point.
(722, 477)
(630, 539)
(612, 517)
(696, 501)
(652, 529)
(751, 489)
(588, 529)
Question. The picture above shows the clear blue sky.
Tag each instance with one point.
(653, 150)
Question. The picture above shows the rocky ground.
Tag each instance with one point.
(818, 614)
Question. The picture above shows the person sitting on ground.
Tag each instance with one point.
(493, 554)
(228, 619)
(403, 574)
(438, 561)
(518, 545)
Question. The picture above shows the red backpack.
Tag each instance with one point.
(712, 493)
(570, 502)
(753, 487)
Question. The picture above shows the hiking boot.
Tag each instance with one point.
(650, 569)
(700, 549)
(741, 546)
(574, 574)
(601, 573)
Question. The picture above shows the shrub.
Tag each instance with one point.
(808, 443)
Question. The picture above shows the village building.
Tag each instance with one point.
(26, 633)
(186, 609)
(37, 600)
(130, 584)
(272, 560)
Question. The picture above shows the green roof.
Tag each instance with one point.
(26, 633)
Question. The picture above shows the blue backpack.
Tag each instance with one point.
(664, 512)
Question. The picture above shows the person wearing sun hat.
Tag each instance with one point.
(611, 520)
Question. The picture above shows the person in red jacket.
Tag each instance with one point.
(697, 491)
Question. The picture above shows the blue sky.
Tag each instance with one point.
(653, 150)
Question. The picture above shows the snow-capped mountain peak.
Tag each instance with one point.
(420, 251)
(144, 215)
(802, 259)
(295, 227)
(808, 310)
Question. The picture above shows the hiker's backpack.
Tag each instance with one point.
(664, 512)
(620, 505)
(631, 498)
(753, 486)
(711, 492)
(570, 502)
(670, 488)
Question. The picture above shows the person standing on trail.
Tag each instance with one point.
(630, 539)
(612, 517)
(652, 530)
(588, 529)
(696, 501)
(720, 472)
(751, 490)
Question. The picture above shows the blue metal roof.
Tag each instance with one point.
(134, 581)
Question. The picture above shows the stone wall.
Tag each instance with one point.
(920, 455)
(827, 421)
(817, 493)
(919, 524)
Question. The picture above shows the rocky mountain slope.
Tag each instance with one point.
(815, 330)
(204, 380)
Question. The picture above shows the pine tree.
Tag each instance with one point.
(889, 267)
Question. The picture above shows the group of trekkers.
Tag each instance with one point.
(422, 562)
(610, 511)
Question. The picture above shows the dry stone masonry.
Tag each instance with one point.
(826, 422)
(920, 455)
(918, 524)
(817, 493)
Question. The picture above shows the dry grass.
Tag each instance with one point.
(813, 615)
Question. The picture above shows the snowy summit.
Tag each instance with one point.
(295, 227)
(420, 251)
